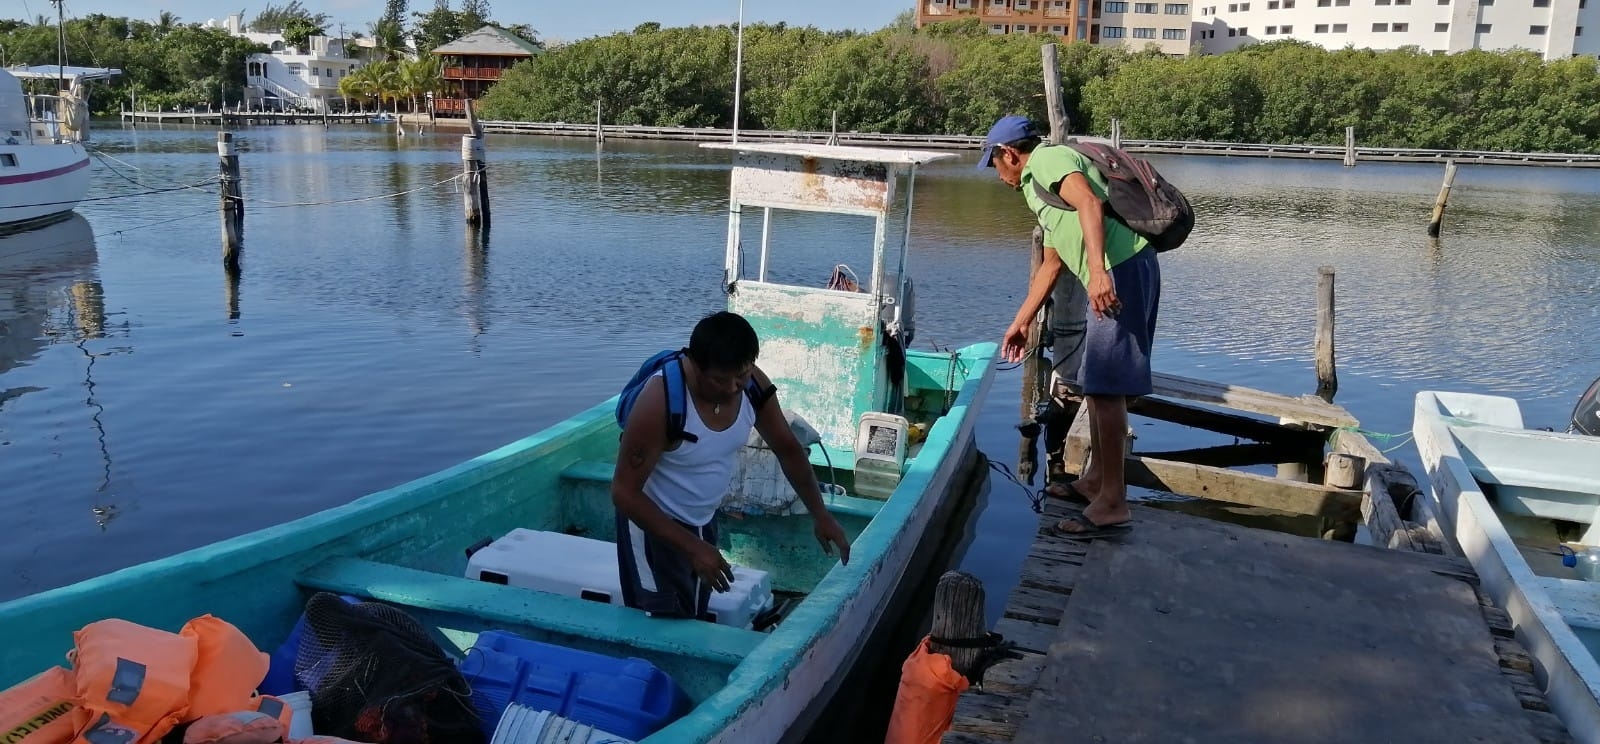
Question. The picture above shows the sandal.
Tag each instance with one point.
(1088, 530)
(1066, 492)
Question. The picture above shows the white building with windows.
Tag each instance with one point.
(1116, 23)
(1553, 28)
(289, 78)
(1138, 24)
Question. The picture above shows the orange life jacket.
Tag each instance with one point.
(138, 683)
(42, 710)
(926, 701)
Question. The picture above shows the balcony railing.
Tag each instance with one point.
(473, 73)
(449, 105)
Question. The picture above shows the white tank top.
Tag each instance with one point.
(688, 483)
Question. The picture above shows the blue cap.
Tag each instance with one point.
(1009, 129)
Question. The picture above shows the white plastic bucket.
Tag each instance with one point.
(523, 725)
(300, 718)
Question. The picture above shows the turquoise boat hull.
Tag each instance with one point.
(407, 546)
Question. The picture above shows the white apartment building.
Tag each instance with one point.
(1553, 28)
(1136, 25)
(1108, 23)
(290, 77)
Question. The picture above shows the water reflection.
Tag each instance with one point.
(50, 294)
(475, 258)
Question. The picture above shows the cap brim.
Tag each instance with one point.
(985, 157)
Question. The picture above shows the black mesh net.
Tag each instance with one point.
(375, 676)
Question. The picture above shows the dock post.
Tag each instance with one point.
(599, 127)
(475, 182)
(958, 616)
(232, 200)
(1327, 374)
(1036, 369)
(833, 139)
(1437, 221)
(1349, 147)
(1116, 132)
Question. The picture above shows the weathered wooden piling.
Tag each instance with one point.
(599, 125)
(1036, 368)
(474, 174)
(1437, 221)
(1327, 373)
(232, 200)
(1349, 147)
(1116, 132)
(958, 615)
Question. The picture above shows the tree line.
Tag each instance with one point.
(168, 63)
(956, 78)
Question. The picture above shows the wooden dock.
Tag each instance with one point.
(964, 142)
(1196, 630)
(242, 117)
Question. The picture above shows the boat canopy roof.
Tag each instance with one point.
(56, 72)
(888, 155)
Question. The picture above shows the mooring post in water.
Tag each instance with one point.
(958, 617)
(1116, 132)
(474, 174)
(1327, 374)
(1437, 221)
(1035, 367)
(1349, 147)
(232, 200)
(833, 138)
(599, 128)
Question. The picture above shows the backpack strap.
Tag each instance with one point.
(677, 399)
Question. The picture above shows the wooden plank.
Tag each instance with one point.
(1036, 605)
(1309, 409)
(1244, 617)
(1248, 489)
(1231, 424)
(1237, 455)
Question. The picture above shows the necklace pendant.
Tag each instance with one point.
(716, 408)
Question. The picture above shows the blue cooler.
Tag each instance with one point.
(630, 698)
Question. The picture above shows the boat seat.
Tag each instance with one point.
(595, 471)
(509, 605)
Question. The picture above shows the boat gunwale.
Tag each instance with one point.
(1505, 574)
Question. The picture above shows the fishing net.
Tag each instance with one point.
(759, 487)
(375, 676)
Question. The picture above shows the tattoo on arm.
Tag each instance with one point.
(636, 457)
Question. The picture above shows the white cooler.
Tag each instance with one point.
(585, 568)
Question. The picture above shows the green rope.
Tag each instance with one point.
(1404, 437)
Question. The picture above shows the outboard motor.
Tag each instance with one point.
(1586, 415)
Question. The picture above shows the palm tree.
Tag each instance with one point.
(387, 82)
(166, 22)
(389, 39)
(421, 76)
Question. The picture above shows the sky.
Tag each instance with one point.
(565, 21)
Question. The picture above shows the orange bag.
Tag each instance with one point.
(271, 706)
(235, 728)
(42, 710)
(926, 701)
(132, 680)
(227, 671)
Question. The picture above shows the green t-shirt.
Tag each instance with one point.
(1050, 165)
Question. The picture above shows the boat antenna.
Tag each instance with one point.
(61, 45)
(738, 71)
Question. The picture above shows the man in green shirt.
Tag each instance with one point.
(1123, 278)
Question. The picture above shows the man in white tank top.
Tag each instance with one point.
(667, 492)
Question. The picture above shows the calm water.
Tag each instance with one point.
(148, 406)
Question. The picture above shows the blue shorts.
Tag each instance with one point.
(1116, 353)
(657, 578)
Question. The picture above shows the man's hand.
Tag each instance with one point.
(1015, 344)
(831, 535)
(710, 566)
(1103, 294)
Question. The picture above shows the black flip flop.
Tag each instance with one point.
(1068, 493)
(1093, 531)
